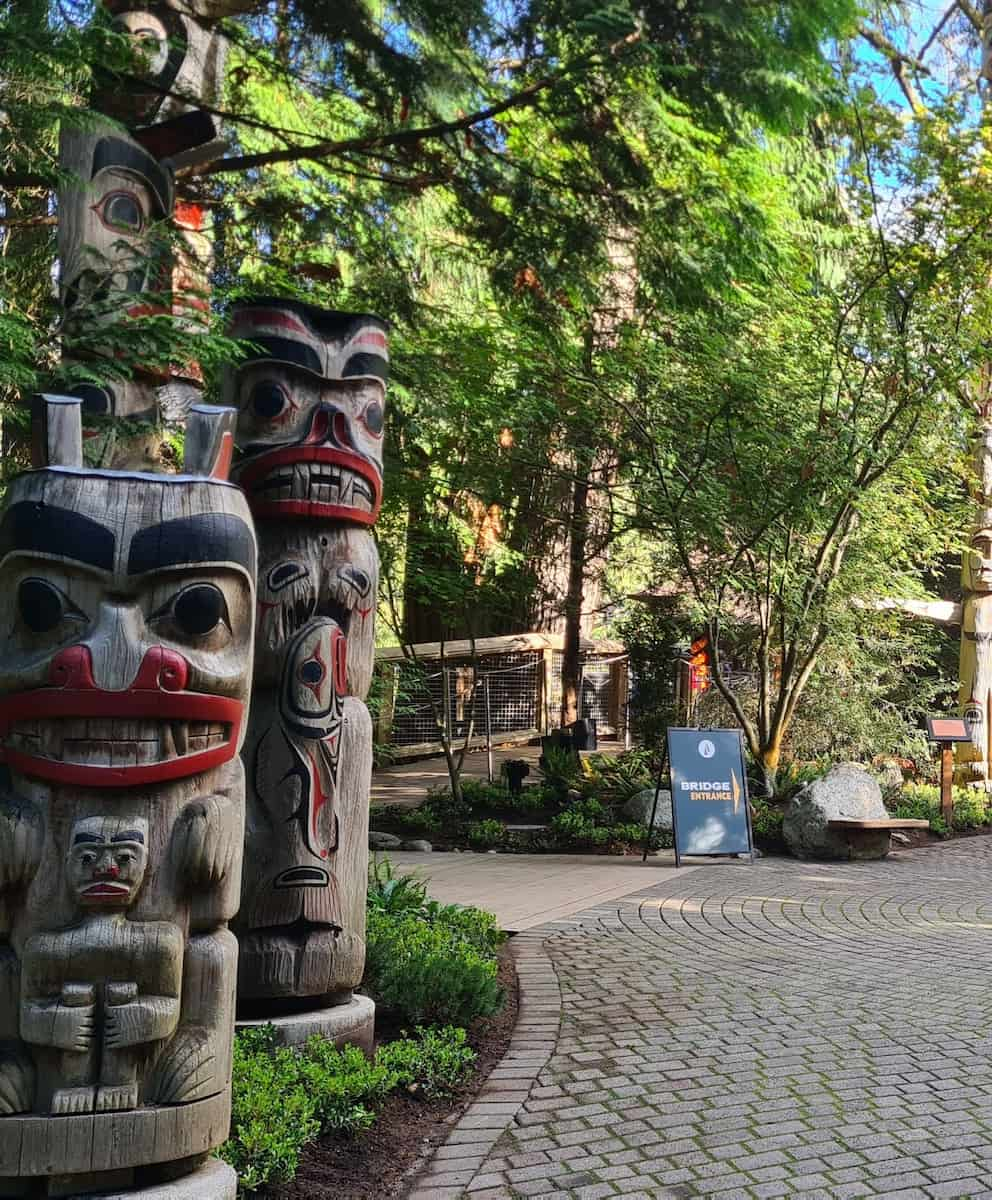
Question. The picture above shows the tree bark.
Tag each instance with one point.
(571, 666)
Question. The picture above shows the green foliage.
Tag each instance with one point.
(433, 1065)
(561, 770)
(406, 895)
(345, 1087)
(485, 835)
(614, 779)
(285, 1098)
(766, 824)
(273, 1114)
(583, 821)
(429, 972)
(921, 801)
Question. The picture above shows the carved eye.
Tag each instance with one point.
(42, 606)
(268, 400)
(199, 609)
(121, 211)
(373, 418)
(87, 858)
(124, 858)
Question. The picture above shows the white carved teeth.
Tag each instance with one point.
(321, 483)
(113, 742)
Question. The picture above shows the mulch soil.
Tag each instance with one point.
(379, 1163)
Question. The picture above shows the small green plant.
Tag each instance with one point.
(766, 823)
(428, 972)
(392, 893)
(484, 835)
(922, 802)
(433, 1064)
(345, 1087)
(584, 822)
(273, 1114)
(561, 770)
(285, 1098)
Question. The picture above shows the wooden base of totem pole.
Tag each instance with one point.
(351, 1024)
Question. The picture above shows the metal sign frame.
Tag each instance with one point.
(744, 787)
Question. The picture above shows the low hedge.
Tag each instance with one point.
(285, 1098)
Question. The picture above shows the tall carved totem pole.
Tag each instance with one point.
(125, 672)
(310, 399)
(127, 248)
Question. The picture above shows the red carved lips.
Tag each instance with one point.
(106, 891)
(74, 732)
(313, 481)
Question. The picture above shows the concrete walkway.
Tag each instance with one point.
(782, 1030)
(526, 890)
(407, 783)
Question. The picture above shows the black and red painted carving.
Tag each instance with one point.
(310, 399)
(125, 668)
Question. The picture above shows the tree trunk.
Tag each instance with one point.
(578, 528)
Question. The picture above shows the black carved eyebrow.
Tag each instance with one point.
(129, 835)
(83, 838)
(33, 526)
(285, 350)
(366, 364)
(204, 538)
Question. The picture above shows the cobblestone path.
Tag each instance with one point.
(788, 1029)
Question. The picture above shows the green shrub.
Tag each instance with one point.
(407, 895)
(921, 801)
(561, 770)
(433, 1064)
(766, 823)
(273, 1114)
(484, 835)
(482, 796)
(345, 1087)
(613, 780)
(428, 972)
(389, 892)
(285, 1098)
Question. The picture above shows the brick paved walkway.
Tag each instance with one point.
(791, 1029)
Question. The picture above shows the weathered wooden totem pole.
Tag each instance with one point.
(310, 400)
(125, 671)
(126, 247)
(973, 614)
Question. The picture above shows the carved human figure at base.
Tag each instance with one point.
(311, 400)
(124, 679)
(105, 990)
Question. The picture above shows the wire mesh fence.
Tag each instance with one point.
(494, 695)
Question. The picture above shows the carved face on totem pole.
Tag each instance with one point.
(310, 398)
(125, 672)
(108, 225)
(126, 657)
(106, 862)
(977, 573)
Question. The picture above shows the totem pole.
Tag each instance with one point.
(974, 616)
(125, 672)
(310, 398)
(127, 248)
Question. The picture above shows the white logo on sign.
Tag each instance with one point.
(706, 748)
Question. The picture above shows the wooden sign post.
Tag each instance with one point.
(946, 732)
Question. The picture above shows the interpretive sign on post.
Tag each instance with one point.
(710, 813)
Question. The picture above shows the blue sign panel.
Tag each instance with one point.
(709, 792)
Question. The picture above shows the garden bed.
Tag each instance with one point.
(378, 1162)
